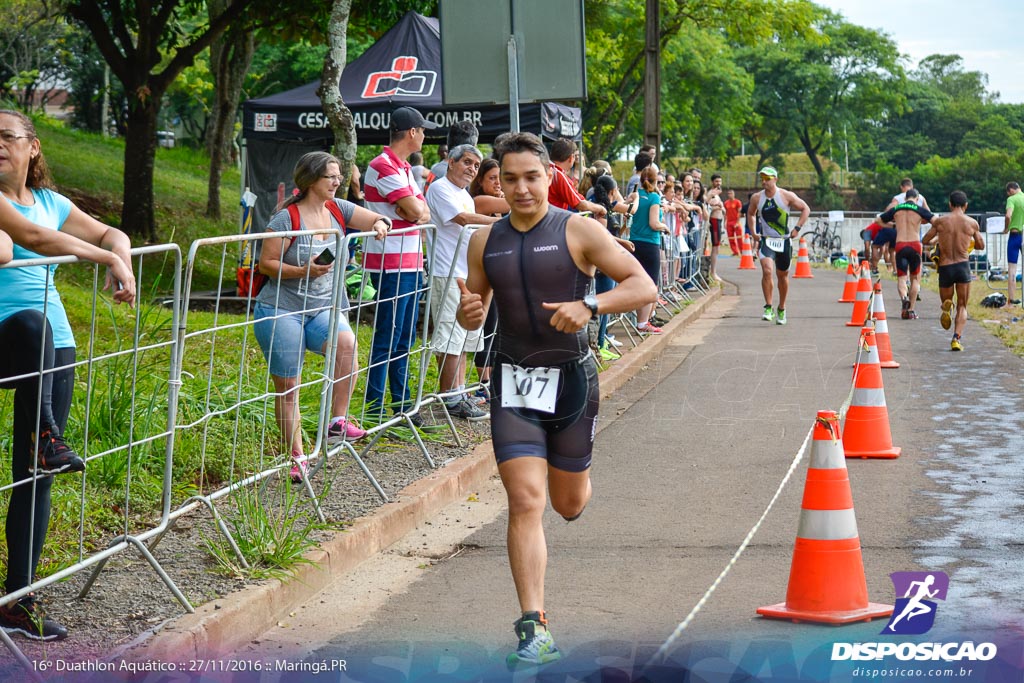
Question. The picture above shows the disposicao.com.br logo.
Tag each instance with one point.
(914, 614)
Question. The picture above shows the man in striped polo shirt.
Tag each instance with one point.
(395, 264)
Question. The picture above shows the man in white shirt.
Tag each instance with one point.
(906, 184)
(451, 209)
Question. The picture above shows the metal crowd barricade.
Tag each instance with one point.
(438, 395)
(236, 386)
(993, 258)
(376, 424)
(668, 288)
(132, 381)
(849, 228)
(227, 395)
(691, 263)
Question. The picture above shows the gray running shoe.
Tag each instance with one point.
(468, 410)
(536, 646)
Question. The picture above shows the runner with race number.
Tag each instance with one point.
(771, 208)
(538, 263)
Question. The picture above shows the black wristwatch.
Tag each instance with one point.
(590, 301)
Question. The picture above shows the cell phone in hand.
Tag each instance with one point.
(324, 258)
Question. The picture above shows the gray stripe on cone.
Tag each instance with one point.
(827, 525)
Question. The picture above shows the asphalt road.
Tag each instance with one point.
(690, 453)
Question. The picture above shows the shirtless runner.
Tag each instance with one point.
(908, 216)
(954, 233)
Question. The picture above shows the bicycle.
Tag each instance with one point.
(822, 241)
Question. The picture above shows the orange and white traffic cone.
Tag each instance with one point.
(866, 432)
(746, 255)
(862, 301)
(882, 331)
(803, 262)
(850, 287)
(826, 579)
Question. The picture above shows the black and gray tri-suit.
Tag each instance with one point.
(772, 222)
(525, 270)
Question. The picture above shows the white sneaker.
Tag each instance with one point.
(613, 341)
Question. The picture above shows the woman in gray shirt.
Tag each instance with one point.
(293, 310)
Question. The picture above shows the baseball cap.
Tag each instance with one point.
(769, 171)
(405, 118)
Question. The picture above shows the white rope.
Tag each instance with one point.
(861, 348)
(666, 646)
(663, 650)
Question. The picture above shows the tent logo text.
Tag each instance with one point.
(266, 123)
(403, 79)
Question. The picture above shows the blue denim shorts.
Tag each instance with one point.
(284, 340)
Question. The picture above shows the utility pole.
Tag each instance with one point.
(652, 79)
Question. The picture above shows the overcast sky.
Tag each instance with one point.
(988, 34)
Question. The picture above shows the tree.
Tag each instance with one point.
(707, 125)
(147, 46)
(329, 92)
(32, 37)
(88, 79)
(230, 57)
(615, 52)
(943, 103)
(844, 75)
(374, 16)
(279, 66)
(946, 72)
(993, 132)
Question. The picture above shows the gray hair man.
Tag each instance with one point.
(452, 210)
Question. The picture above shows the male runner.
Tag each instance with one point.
(1014, 223)
(771, 208)
(905, 186)
(538, 263)
(908, 216)
(954, 233)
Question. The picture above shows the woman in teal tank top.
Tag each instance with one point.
(34, 326)
(645, 234)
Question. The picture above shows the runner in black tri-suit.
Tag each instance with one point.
(537, 264)
(771, 208)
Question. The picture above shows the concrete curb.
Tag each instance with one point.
(221, 626)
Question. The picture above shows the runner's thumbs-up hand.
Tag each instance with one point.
(472, 305)
(569, 316)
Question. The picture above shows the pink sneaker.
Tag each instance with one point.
(299, 469)
(345, 429)
(648, 328)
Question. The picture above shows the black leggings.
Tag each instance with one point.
(22, 337)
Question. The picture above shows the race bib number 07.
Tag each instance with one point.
(776, 243)
(533, 388)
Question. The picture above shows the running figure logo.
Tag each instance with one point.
(914, 613)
